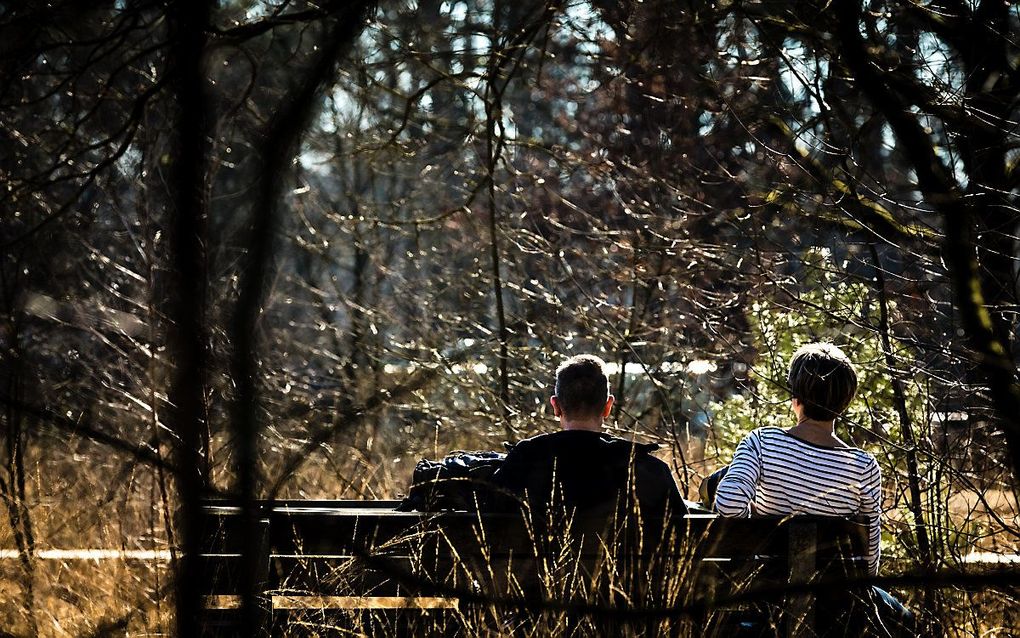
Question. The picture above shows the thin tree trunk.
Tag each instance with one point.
(493, 111)
(929, 600)
(187, 344)
(281, 142)
(12, 491)
(916, 504)
(155, 369)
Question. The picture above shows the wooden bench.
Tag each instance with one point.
(362, 566)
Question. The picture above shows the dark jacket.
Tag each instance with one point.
(588, 472)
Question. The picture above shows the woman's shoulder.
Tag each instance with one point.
(866, 459)
(762, 433)
(767, 432)
(758, 437)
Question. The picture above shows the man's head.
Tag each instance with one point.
(582, 390)
(823, 380)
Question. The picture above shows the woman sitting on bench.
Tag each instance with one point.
(807, 469)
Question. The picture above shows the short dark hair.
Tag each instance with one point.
(823, 380)
(582, 386)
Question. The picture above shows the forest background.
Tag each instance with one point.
(286, 249)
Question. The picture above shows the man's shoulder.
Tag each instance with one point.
(536, 442)
(599, 446)
(647, 459)
(560, 437)
(540, 448)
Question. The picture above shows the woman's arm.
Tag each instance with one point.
(735, 495)
(871, 509)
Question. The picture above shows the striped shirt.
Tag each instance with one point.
(778, 474)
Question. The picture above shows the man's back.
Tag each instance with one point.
(588, 472)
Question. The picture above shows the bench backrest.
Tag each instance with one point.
(364, 555)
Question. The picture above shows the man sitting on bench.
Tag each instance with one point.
(580, 469)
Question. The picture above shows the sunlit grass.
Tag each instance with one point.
(102, 560)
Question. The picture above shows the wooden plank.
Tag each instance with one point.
(352, 531)
(316, 527)
(296, 602)
(364, 602)
(221, 601)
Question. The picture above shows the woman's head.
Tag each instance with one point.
(823, 380)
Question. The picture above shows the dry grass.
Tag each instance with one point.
(87, 497)
(87, 597)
